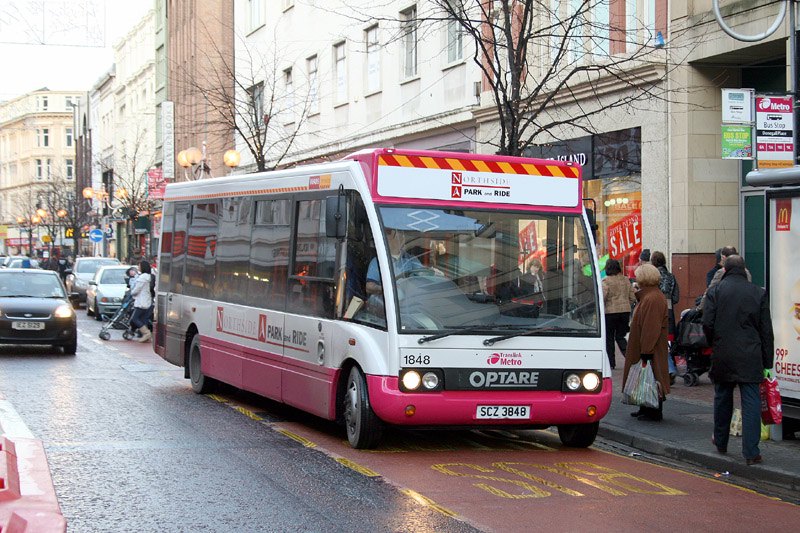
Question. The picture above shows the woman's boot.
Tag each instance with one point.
(146, 335)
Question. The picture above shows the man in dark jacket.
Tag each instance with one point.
(737, 321)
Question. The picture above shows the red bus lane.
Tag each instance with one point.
(525, 481)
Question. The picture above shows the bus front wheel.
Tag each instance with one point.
(200, 383)
(364, 428)
(578, 435)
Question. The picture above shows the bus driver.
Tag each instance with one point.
(402, 262)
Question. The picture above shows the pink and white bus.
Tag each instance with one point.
(392, 287)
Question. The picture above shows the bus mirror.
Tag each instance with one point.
(336, 216)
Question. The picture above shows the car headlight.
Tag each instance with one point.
(421, 380)
(64, 311)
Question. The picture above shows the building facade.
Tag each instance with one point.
(37, 168)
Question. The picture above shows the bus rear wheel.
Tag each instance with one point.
(200, 383)
(578, 435)
(364, 428)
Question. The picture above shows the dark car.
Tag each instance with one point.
(84, 270)
(35, 309)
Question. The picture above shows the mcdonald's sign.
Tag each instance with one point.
(783, 214)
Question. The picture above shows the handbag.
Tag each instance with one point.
(691, 336)
(771, 409)
(641, 387)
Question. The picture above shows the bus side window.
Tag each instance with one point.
(312, 284)
(269, 254)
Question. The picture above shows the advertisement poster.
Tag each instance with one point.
(784, 290)
(774, 132)
(625, 236)
(737, 142)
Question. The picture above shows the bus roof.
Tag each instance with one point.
(445, 179)
(471, 180)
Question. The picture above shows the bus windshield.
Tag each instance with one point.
(491, 272)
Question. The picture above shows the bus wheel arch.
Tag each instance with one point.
(363, 427)
(578, 435)
(201, 384)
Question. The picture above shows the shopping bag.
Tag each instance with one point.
(736, 423)
(771, 410)
(641, 387)
(764, 431)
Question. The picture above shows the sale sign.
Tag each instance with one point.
(625, 236)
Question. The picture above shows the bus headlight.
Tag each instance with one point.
(573, 382)
(581, 381)
(591, 381)
(430, 380)
(421, 380)
(411, 380)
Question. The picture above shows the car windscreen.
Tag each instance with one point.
(91, 266)
(26, 284)
(113, 276)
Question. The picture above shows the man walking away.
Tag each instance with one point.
(737, 322)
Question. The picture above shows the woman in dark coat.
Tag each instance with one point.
(648, 336)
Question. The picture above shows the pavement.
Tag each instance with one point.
(685, 435)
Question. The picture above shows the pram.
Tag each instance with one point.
(691, 343)
(120, 320)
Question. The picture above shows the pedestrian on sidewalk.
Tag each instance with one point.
(143, 301)
(672, 293)
(618, 297)
(648, 337)
(737, 322)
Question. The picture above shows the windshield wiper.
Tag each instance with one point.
(452, 331)
(550, 329)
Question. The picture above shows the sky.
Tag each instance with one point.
(61, 44)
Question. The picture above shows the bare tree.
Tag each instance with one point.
(540, 58)
(128, 195)
(251, 97)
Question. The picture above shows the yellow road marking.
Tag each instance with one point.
(294, 436)
(357, 467)
(427, 502)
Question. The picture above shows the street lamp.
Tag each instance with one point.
(232, 159)
(195, 159)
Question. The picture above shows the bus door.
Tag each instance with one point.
(174, 328)
(310, 310)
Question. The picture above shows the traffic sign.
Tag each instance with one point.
(96, 235)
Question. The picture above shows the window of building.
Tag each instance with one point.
(49, 168)
(455, 41)
(288, 87)
(43, 137)
(41, 103)
(408, 28)
(70, 168)
(631, 25)
(256, 95)
(68, 141)
(313, 90)
(340, 72)
(650, 20)
(39, 169)
(373, 59)
(600, 28)
(578, 22)
(256, 13)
